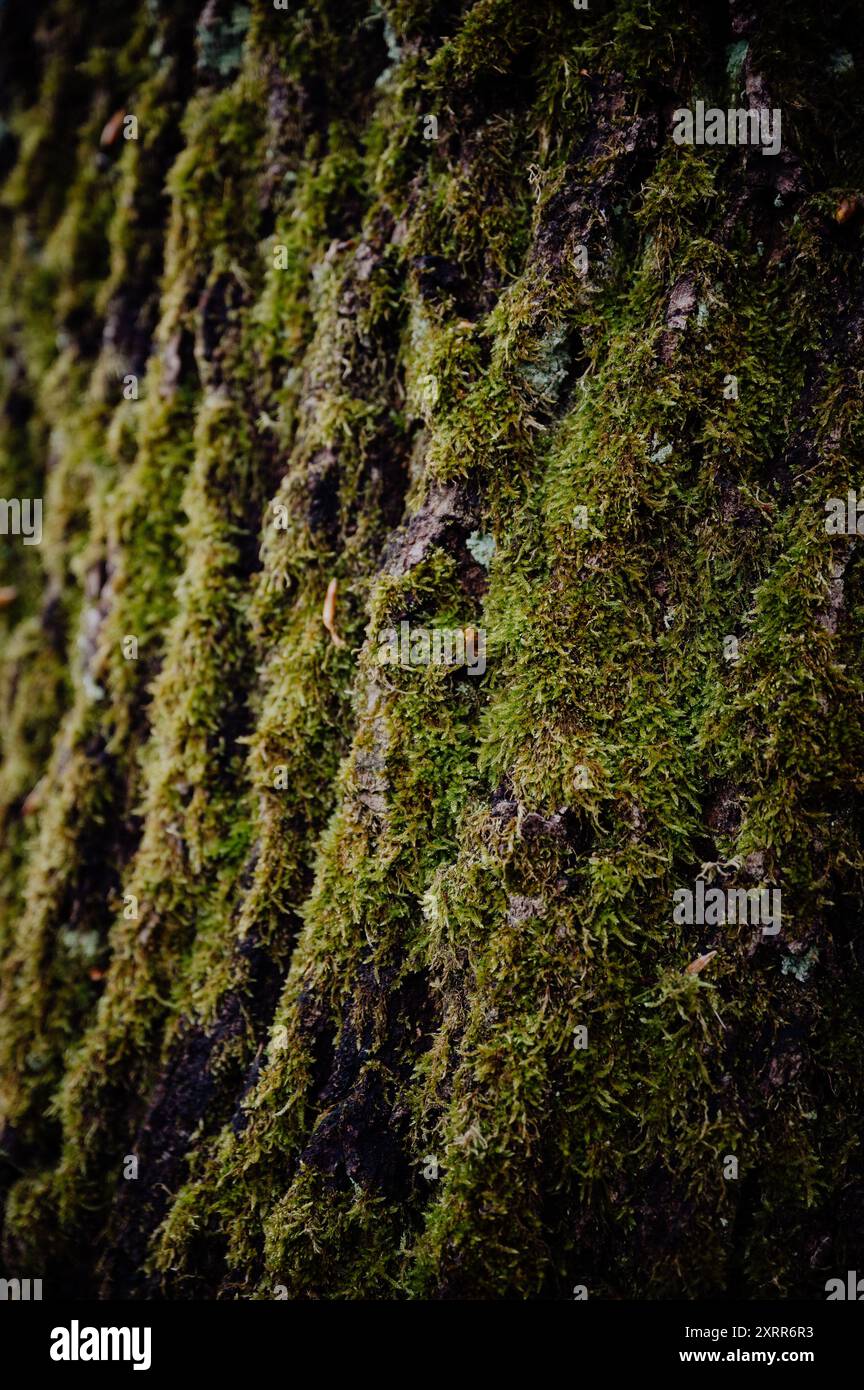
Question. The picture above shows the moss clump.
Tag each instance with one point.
(373, 965)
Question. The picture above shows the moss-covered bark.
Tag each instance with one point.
(308, 936)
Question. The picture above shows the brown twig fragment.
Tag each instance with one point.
(111, 128)
(699, 963)
(328, 615)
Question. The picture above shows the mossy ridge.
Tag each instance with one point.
(653, 804)
(696, 1014)
(86, 785)
(220, 918)
(657, 585)
(53, 390)
(328, 519)
(422, 587)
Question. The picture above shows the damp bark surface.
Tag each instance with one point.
(334, 338)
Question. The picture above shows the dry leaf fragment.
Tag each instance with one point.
(328, 615)
(699, 963)
(111, 128)
(33, 800)
(8, 594)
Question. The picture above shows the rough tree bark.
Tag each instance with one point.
(324, 319)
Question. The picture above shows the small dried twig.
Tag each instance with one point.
(328, 615)
(699, 963)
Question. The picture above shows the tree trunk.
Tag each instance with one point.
(431, 785)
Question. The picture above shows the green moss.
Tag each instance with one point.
(376, 903)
